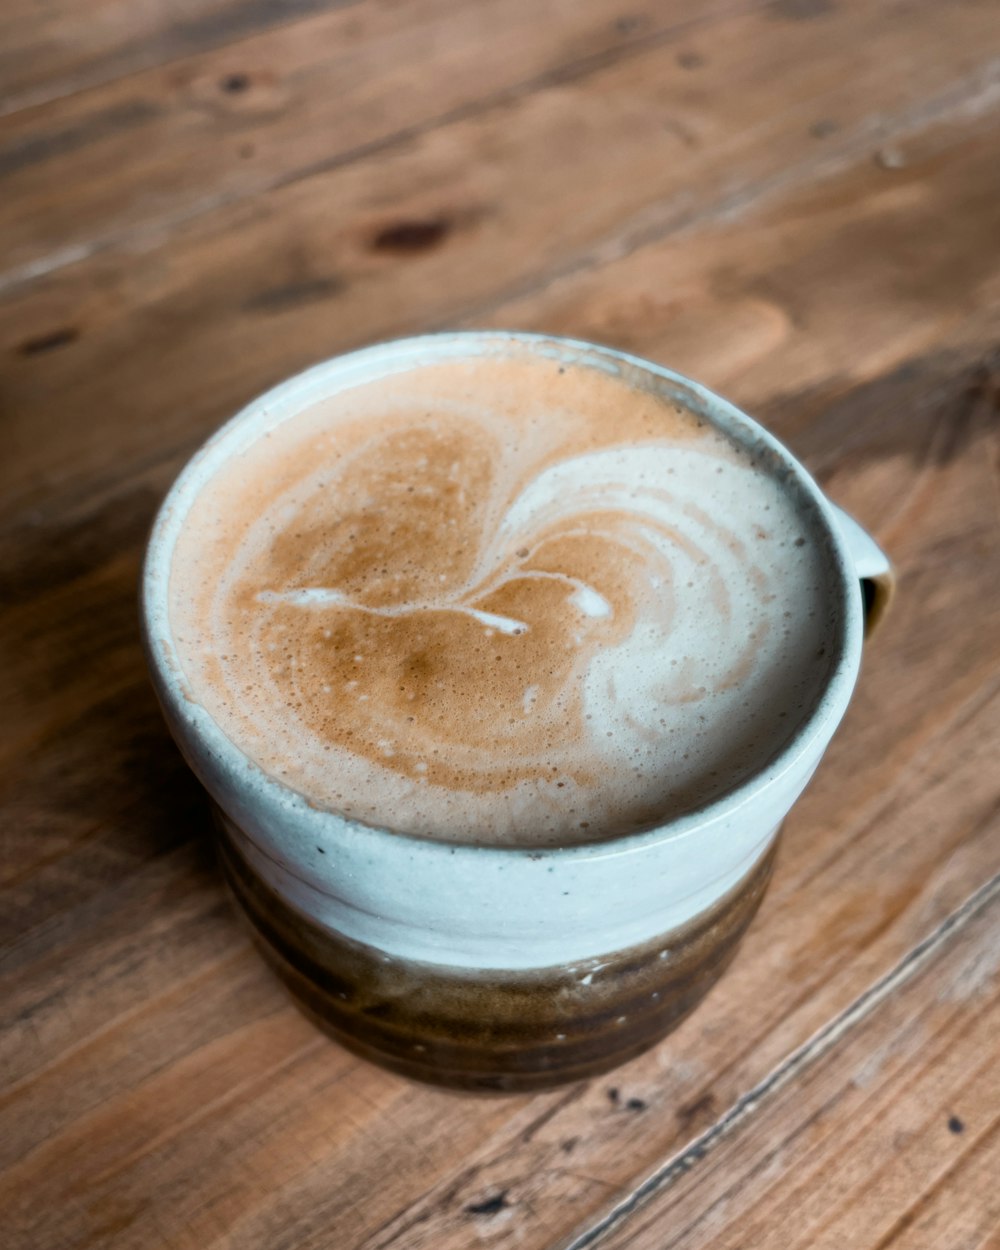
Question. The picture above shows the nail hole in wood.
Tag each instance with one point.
(490, 1206)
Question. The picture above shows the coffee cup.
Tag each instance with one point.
(505, 964)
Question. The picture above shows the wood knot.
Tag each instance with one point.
(412, 236)
(49, 342)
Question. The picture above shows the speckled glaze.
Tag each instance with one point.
(500, 1029)
(498, 967)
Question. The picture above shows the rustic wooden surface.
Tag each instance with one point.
(797, 202)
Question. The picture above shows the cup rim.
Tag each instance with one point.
(167, 672)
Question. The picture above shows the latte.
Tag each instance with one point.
(503, 599)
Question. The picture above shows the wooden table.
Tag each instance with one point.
(796, 202)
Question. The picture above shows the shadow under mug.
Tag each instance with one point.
(498, 968)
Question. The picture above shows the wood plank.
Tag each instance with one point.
(214, 1107)
(890, 1138)
(764, 320)
(229, 303)
(52, 49)
(155, 1065)
(780, 323)
(183, 138)
(585, 1157)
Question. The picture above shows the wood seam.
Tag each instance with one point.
(796, 1062)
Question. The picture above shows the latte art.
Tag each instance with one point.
(501, 601)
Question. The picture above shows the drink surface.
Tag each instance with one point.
(503, 600)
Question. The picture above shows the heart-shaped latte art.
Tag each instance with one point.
(557, 632)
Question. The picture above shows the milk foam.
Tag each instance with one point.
(502, 601)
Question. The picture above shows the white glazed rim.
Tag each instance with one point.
(306, 387)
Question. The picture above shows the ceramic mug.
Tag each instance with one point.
(489, 967)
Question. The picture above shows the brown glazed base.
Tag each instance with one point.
(506, 1031)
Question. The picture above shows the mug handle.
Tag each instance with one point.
(878, 579)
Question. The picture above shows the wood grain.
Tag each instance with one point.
(824, 252)
(61, 47)
(862, 1148)
(183, 138)
(229, 303)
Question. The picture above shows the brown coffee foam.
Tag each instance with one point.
(393, 497)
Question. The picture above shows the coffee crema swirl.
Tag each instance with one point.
(501, 600)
